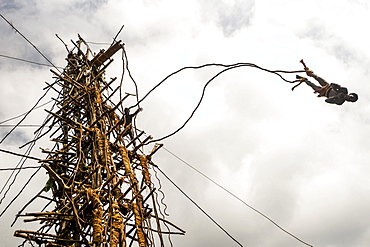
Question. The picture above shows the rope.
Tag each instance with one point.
(27, 61)
(227, 68)
(221, 65)
(25, 112)
(19, 168)
(133, 80)
(25, 115)
(20, 165)
(204, 212)
(25, 125)
(246, 204)
(24, 37)
(21, 155)
(20, 192)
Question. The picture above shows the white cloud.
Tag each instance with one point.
(230, 16)
(299, 160)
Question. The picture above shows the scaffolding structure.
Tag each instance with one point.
(99, 178)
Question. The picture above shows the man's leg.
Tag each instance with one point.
(314, 87)
(320, 80)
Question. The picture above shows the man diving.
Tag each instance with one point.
(334, 93)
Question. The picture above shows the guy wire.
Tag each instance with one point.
(236, 197)
(202, 210)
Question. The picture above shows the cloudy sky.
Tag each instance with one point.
(300, 161)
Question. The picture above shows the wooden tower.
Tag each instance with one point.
(99, 178)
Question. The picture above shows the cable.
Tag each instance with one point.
(25, 115)
(20, 192)
(20, 165)
(204, 212)
(21, 162)
(28, 61)
(25, 112)
(26, 155)
(246, 204)
(24, 37)
(21, 155)
(25, 125)
(21, 168)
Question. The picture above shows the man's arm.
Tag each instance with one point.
(137, 111)
(339, 89)
(338, 99)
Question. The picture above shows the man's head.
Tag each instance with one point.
(352, 97)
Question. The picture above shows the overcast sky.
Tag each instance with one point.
(302, 162)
